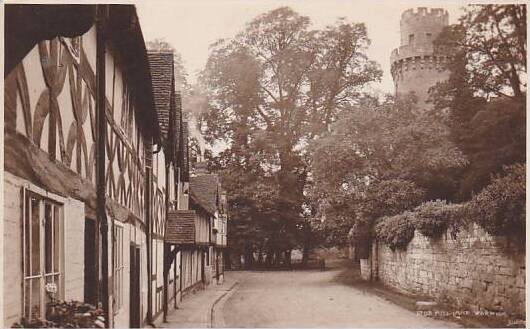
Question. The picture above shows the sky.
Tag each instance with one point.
(192, 26)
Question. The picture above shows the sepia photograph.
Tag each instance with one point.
(263, 164)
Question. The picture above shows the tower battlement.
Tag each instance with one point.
(415, 65)
(429, 13)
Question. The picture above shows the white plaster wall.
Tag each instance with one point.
(35, 80)
(12, 292)
(74, 249)
(89, 45)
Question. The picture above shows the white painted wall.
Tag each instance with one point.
(74, 216)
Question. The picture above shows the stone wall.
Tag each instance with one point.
(474, 271)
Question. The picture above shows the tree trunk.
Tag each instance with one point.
(277, 258)
(288, 258)
(305, 255)
(268, 258)
(260, 257)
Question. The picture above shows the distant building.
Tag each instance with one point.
(415, 65)
(165, 182)
(210, 202)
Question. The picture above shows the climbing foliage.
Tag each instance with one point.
(500, 207)
(396, 231)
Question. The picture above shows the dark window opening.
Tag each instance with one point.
(90, 262)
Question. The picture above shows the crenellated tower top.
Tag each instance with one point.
(415, 65)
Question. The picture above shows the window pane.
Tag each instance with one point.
(35, 236)
(27, 238)
(27, 294)
(48, 238)
(57, 239)
(35, 307)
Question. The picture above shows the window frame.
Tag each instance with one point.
(29, 193)
(118, 266)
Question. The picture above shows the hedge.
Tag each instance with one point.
(396, 231)
(433, 218)
(499, 208)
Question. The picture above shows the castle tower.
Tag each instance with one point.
(415, 67)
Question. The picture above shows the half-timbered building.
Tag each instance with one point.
(80, 127)
(209, 201)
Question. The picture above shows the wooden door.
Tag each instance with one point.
(91, 276)
(134, 300)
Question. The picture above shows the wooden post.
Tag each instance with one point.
(166, 266)
(175, 279)
(101, 137)
(180, 275)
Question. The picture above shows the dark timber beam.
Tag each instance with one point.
(101, 135)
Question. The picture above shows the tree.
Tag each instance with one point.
(277, 85)
(486, 90)
(380, 160)
(491, 41)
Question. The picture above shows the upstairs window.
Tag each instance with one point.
(411, 39)
(429, 36)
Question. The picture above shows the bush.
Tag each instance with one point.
(396, 231)
(61, 314)
(500, 207)
(433, 218)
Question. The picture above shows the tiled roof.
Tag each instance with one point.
(161, 66)
(204, 189)
(180, 227)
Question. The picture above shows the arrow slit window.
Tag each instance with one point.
(43, 253)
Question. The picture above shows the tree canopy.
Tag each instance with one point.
(273, 88)
(381, 160)
(486, 90)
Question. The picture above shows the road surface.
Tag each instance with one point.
(311, 299)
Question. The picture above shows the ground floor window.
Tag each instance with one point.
(43, 253)
(118, 267)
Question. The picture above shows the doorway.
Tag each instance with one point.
(134, 300)
(91, 276)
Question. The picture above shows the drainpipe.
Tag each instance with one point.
(166, 263)
(102, 12)
(148, 238)
(149, 228)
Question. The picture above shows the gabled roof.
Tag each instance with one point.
(204, 191)
(161, 66)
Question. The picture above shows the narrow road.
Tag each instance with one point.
(311, 299)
